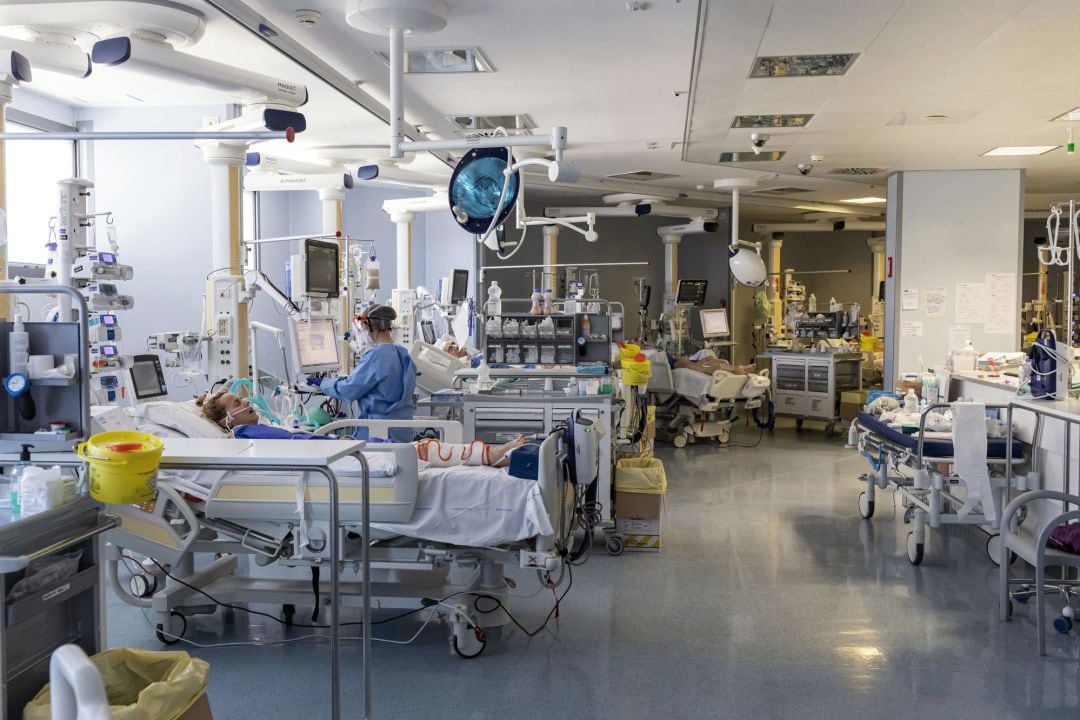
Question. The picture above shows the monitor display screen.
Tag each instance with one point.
(146, 377)
(691, 292)
(714, 323)
(321, 262)
(459, 288)
(427, 329)
(316, 344)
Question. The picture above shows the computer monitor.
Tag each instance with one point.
(691, 292)
(147, 380)
(714, 323)
(459, 287)
(317, 347)
(321, 268)
(427, 329)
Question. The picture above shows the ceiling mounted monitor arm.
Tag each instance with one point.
(69, 61)
(14, 69)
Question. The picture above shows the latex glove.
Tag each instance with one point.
(314, 382)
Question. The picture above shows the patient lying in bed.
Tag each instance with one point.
(236, 416)
(709, 365)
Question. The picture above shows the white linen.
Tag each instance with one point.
(692, 385)
(969, 453)
(380, 464)
(474, 506)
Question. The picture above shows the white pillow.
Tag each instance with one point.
(186, 419)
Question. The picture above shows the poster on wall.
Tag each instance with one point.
(911, 328)
(959, 337)
(934, 298)
(971, 299)
(1001, 304)
(910, 299)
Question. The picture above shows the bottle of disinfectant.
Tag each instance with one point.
(16, 478)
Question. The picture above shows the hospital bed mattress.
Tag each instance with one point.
(932, 447)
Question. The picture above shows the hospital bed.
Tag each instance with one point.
(435, 533)
(693, 405)
(921, 468)
(435, 368)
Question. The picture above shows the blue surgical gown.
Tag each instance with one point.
(382, 385)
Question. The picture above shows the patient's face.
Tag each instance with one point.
(240, 411)
(454, 349)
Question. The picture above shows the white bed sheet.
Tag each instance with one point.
(475, 507)
(692, 385)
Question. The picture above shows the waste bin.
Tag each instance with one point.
(144, 685)
(640, 484)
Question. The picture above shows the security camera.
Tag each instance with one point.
(805, 168)
(757, 141)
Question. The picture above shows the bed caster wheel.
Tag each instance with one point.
(679, 441)
(1021, 595)
(909, 514)
(288, 612)
(914, 549)
(723, 438)
(798, 424)
(830, 430)
(176, 629)
(615, 545)
(142, 586)
(1063, 624)
(866, 506)
(993, 549)
(1009, 610)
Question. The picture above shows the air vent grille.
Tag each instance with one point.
(742, 157)
(858, 171)
(642, 176)
(782, 191)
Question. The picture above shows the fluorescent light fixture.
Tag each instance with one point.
(513, 124)
(443, 60)
(1070, 116)
(771, 121)
(865, 200)
(776, 66)
(1012, 150)
(741, 157)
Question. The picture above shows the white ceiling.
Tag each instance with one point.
(618, 79)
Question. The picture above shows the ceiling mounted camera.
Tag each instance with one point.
(805, 168)
(757, 141)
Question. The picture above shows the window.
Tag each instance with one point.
(31, 171)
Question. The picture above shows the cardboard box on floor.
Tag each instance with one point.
(637, 519)
(199, 710)
(851, 404)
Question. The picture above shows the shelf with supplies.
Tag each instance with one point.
(516, 338)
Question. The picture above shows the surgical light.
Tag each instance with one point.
(747, 266)
(481, 193)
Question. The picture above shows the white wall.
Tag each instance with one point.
(944, 228)
(28, 101)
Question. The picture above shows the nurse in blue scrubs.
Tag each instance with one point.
(384, 382)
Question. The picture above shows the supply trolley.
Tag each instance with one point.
(807, 385)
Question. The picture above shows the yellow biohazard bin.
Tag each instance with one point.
(123, 466)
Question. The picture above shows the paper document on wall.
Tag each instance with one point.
(959, 337)
(934, 297)
(910, 328)
(1001, 304)
(970, 303)
(911, 299)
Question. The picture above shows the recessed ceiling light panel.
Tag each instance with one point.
(865, 200)
(1070, 116)
(1015, 150)
(858, 171)
(771, 121)
(775, 66)
(442, 60)
(642, 176)
(741, 157)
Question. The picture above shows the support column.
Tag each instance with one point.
(403, 223)
(671, 272)
(877, 276)
(775, 279)
(5, 300)
(551, 256)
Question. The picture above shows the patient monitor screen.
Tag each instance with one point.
(316, 344)
(691, 292)
(321, 260)
(147, 380)
(714, 323)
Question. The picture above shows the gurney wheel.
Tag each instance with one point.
(287, 614)
(993, 549)
(1063, 624)
(866, 506)
(679, 440)
(174, 634)
(830, 430)
(914, 549)
(615, 544)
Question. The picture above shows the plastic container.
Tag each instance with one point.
(811, 304)
(123, 466)
(14, 496)
(549, 301)
(911, 401)
(494, 301)
(18, 348)
(537, 302)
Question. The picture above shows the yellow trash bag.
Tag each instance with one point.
(140, 684)
(640, 475)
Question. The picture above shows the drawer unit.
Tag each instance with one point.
(790, 403)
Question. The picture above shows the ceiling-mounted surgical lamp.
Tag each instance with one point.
(746, 263)
(163, 61)
(65, 60)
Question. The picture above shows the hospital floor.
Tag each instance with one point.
(771, 599)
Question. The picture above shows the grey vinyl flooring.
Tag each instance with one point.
(771, 598)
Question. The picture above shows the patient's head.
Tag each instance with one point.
(227, 410)
(452, 348)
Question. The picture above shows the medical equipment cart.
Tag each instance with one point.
(807, 385)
